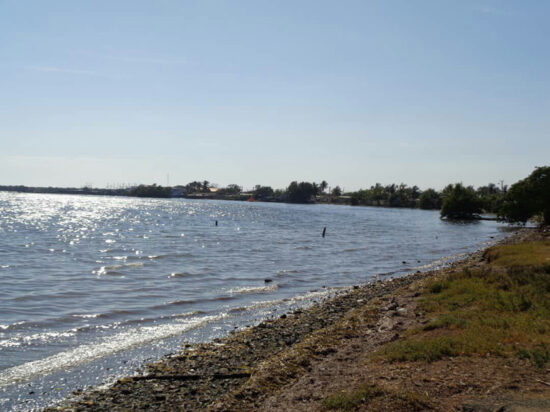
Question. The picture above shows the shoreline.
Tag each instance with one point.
(199, 375)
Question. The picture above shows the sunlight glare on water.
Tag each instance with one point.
(92, 281)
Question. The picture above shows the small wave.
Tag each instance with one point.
(182, 274)
(176, 303)
(444, 261)
(287, 272)
(113, 269)
(169, 255)
(157, 256)
(90, 315)
(254, 289)
(103, 271)
(133, 265)
(88, 352)
(177, 316)
(355, 249)
(191, 301)
(288, 301)
(36, 338)
(14, 325)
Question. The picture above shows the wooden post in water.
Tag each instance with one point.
(324, 231)
(216, 223)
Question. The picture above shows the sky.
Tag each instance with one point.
(424, 92)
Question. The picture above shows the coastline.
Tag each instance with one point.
(237, 372)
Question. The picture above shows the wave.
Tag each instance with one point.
(444, 261)
(183, 274)
(15, 325)
(90, 315)
(36, 338)
(287, 301)
(169, 255)
(113, 269)
(88, 352)
(253, 289)
(287, 272)
(356, 249)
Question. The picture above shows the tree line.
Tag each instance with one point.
(529, 198)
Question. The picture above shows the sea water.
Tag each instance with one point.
(93, 287)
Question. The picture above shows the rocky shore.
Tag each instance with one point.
(295, 358)
(201, 373)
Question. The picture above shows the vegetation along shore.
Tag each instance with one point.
(471, 336)
(523, 200)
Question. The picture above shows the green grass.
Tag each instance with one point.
(502, 309)
(535, 253)
(348, 401)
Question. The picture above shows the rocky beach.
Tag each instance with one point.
(308, 359)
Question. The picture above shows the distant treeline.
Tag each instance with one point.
(524, 200)
(490, 196)
(65, 190)
(297, 192)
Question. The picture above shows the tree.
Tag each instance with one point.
(323, 186)
(193, 187)
(300, 192)
(262, 192)
(205, 186)
(150, 191)
(528, 197)
(491, 197)
(337, 191)
(430, 199)
(232, 189)
(415, 192)
(461, 203)
(316, 189)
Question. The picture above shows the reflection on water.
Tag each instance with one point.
(89, 280)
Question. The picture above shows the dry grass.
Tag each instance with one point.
(373, 397)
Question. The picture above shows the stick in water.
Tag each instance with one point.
(324, 231)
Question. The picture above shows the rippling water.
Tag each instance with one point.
(93, 286)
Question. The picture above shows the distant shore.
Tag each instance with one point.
(240, 197)
(305, 355)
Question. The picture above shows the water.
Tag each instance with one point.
(91, 287)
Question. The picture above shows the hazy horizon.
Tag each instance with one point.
(259, 92)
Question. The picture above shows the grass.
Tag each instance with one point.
(369, 394)
(501, 309)
(536, 253)
(350, 400)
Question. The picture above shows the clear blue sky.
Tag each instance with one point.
(353, 92)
